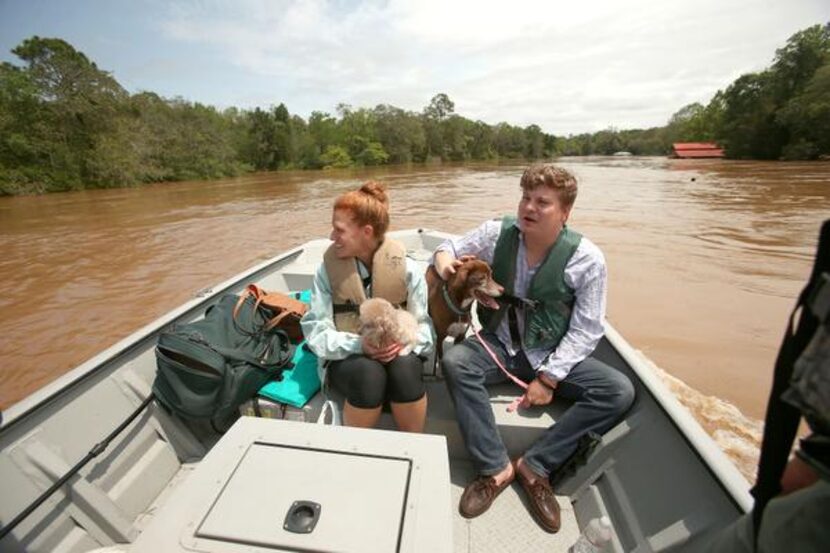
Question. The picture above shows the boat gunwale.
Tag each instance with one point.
(702, 444)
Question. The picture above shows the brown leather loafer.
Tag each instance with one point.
(479, 495)
(543, 502)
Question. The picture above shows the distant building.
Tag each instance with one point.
(696, 150)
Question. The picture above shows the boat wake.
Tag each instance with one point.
(738, 435)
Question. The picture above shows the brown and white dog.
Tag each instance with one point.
(450, 301)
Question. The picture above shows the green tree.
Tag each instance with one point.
(689, 124)
(75, 104)
(509, 141)
(24, 150)
(435, 113)
(373, 154)
(456, 138)
(401, 134)
(606, 142)
(357, 129)
(749, 129)
(440, 107)
(282, 137)
(807, 115)
(796, 63)
(535, 141)
(336, 157)
(481, 141)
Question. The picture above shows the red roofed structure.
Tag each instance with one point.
(696, 150)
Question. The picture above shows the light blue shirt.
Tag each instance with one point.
(330, 344)
(585, 272)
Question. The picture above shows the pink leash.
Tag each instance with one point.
(515, 403)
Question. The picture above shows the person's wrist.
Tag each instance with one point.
(546, 381)
(442, 262)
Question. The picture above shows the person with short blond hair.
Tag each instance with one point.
(361, 263)
(544, 334)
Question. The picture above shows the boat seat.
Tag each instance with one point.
(519, 429)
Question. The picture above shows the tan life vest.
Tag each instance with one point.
(347, 292)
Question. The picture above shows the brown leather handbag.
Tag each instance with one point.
(286, 310)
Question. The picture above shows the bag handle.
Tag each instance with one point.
(250, 290)
(276, 320)
(259, 297)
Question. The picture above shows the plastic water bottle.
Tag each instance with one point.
(594, 537)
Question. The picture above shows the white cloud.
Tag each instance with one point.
(569, 68)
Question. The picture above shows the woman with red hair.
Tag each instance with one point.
(362, 263)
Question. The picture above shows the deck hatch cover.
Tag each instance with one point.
(361, 500)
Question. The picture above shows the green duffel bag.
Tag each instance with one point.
(207, 368)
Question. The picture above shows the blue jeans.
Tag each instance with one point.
(601, 395)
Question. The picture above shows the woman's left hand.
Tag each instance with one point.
(382, 355)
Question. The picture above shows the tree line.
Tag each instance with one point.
(65, 124)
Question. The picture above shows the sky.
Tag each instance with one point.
(569, 67)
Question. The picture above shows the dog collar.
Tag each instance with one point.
(448, 300)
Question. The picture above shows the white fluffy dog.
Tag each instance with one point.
(382, 325)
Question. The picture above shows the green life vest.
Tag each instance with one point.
(547, 322)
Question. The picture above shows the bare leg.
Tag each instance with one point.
(359, 417)
(410, 416)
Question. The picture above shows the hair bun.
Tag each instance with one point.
(376, 190)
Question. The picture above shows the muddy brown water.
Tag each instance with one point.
(705, 259)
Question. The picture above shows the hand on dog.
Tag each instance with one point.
(537, 394)
(446, 265)
(383, 354)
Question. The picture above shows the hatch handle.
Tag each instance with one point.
(302, 517)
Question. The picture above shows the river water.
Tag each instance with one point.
(705, 259)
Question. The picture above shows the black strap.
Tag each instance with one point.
(781, 421)
(513, 324)
(350, 307)
(513, 304)
(338, 308)
(515, 301)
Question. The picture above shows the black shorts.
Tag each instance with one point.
(367, 383)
